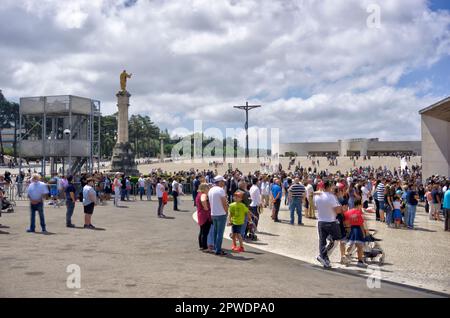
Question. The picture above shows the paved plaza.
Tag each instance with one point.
(136, 254)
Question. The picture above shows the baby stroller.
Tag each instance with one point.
(373, 253)
(252, 228)
(6, 205)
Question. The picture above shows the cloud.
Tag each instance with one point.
(318, 70)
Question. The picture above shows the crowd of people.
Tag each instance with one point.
(337, 200)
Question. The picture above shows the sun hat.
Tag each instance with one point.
(218, 179)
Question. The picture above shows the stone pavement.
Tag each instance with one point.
(417, 258)
(139, 255)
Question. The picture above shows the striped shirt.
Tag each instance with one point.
(380, 192)
(297, 190)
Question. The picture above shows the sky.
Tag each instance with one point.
(322, 70)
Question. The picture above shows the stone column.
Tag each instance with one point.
(123, 156)
(123, 102)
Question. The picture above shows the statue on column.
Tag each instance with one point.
(123, 157)
(123, 80)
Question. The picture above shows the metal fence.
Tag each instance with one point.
(18, 191)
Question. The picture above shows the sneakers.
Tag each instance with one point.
(90, 226)
(241, 249)
(235, 249)
(361, 264)
(30, 231)
(70, 225)
(324, 262)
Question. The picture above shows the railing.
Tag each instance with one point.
(18, 191)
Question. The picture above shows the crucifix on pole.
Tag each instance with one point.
(247, 107)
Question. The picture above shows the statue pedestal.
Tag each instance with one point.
(123, 156)
(123, 160)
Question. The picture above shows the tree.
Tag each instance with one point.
(9, 118)
(108, 130)
(144, 135)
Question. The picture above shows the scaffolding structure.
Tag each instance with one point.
(60, 130)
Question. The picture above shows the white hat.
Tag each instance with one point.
(218, 179)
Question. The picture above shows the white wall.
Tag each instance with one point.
(435, 146)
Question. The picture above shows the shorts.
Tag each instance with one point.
(89, 209)
(366, 204)
(236, 229)
(381, 205)
(397, 214)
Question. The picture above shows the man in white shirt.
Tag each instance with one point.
(265, 192)
(255, 205)
(175, 194)
(310, 211)
(89, 201)
(160, 188)
(37, 192)
(141, 185)
(365, 195)
(327, 209)
(219, 211)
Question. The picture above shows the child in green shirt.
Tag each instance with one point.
(238, 211)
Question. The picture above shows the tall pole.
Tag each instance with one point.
(247, 107)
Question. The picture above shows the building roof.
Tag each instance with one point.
(439, 110)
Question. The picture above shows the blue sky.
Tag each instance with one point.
(439, 5)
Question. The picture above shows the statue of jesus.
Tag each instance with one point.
(123, 80)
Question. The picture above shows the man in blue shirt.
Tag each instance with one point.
(276, 194)
(195, 185)
(446, 207)
(37, 192)
(412, 199)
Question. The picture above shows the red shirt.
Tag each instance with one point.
(354, 217)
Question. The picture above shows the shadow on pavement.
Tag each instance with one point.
(268, 234)
(3, 232)
(4, 227)
(45, 233)
(169, 218)
(257, 243)
(237, 258)
(98, 229)
(424, 230)
(254, 253)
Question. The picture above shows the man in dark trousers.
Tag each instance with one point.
(195, 185)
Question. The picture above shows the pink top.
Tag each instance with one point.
(202, 214)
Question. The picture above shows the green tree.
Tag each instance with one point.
(9, 118)
(144, 135)
(108, 130)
